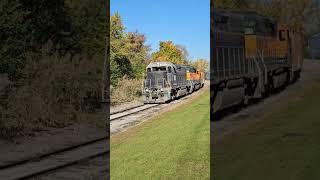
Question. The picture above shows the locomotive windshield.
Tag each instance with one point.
(190, 69)
(161, 68)
(157, 76)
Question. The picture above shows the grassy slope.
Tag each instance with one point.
(174, 145)
(285, 145)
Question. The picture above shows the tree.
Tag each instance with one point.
(169, 52)
(48, 21)
(137, 53)
(230, 4)
(128, 52)
(106, 70)
(119, 63)
(31, 29)
(201, 65)
(14, 36)
(87, 31)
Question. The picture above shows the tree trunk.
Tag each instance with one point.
(106, 68)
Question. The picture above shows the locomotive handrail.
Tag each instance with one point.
(260, 53)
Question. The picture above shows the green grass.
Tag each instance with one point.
(285, 145)
(174, 145)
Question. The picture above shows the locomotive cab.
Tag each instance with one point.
(159, 75)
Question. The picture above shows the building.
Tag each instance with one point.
(314, 46)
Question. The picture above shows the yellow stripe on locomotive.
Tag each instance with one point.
(275, 47)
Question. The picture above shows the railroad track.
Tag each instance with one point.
(131, 111)
(139, 108)
(55, 160)
(62, 158)
(116, 112)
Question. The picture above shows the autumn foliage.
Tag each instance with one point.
(169, 52)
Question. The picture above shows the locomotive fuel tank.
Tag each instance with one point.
(232, 94)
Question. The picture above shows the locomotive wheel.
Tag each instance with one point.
(173, 97)
(268, 90)
(298, 75)
(288, 79)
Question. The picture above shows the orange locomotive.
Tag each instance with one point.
(195, 78)
(270, 47)
(252, 55)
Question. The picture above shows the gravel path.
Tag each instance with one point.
(124, 106)
(51, 140)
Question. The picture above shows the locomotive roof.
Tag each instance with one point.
(315, 36)
(237, 21)
(178, 67)
(240, 14)
(160, 63)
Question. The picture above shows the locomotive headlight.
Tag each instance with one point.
(147, 90)
(161, 90)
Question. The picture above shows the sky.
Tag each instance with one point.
(184, 22)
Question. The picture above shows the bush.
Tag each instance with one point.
(126, 90)
(46, 90)
(52, 93)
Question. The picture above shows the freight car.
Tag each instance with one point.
(166, 81)
(251, 56)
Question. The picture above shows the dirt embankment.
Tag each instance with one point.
(310, 78)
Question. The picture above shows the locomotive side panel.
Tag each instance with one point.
(229, 68)
(228, 64)
(228, 61)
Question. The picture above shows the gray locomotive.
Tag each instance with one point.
(164, 82)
